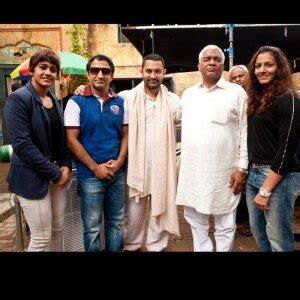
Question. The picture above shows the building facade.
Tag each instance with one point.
(18, 42)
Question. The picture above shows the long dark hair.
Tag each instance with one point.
(260, 97)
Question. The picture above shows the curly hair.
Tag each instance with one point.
(260, 97)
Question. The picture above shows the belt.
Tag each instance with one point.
(258, 165)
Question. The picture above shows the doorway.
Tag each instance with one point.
(5, 89)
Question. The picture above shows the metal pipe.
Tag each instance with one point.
(153, 27)
(230, 50)
(18, 213)
(152, 40)
(264, 25)
(173, 26)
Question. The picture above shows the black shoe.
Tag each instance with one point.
(297, 237)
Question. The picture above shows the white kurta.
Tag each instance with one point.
(175, 109)
(213, 145)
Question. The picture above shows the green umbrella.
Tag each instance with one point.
(5, 153)
(70, 63)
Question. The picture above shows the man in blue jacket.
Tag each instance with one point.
(98, 136)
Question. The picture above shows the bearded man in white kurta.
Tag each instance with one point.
(213, 153)
(153, 112)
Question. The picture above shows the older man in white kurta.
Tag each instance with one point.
(213, 148)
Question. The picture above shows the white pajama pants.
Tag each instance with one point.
(45, 218)
(135, 217)
(225, 227)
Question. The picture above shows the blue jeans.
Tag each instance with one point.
(107, 197)
(272, 229)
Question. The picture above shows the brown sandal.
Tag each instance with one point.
(244, 229)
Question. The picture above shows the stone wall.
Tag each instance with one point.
(19, 42)
(102, 38)
(26, 39)
(183, 80)
(125, 56)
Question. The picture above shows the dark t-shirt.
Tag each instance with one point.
(55, 127)
(274, 134)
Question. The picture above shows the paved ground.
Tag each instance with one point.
(8, 240)
(4, 167)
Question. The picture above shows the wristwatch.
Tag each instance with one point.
(245, 171)
(264, 193)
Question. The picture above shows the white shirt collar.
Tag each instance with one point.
(221, 84)
(99, 98)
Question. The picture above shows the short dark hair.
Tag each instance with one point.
(44, 55)
(101, 57)
(154, 57)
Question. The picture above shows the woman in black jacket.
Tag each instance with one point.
(40, 166)
(273, 134)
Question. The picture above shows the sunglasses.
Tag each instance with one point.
(95, 71)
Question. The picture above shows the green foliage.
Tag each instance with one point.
(78, 34)
(79, 45)
(76, 81)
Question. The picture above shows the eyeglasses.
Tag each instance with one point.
(96, 70)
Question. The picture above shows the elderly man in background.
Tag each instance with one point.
(238, 75)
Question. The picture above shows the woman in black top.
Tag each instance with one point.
(40, 166)
(273, 134)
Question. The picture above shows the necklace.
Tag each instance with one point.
(47, 102)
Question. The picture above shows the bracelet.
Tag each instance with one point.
(245, 171)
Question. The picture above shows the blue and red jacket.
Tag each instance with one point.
(100, 130)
